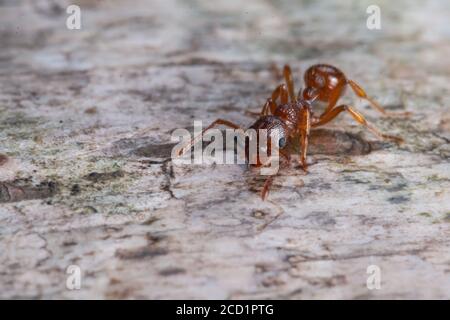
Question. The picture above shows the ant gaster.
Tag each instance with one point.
(293, 116)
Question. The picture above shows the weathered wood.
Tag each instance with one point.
(87, 180)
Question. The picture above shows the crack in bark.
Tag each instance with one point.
(21, 190)
(167, 170)
(352, 256)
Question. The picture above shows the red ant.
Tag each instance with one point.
(294, 117)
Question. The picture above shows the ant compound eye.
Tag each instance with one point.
(282, 142)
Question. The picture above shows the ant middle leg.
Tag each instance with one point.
(374, 104)
(200, 136)
(287, 74)
(304, 136)
(270, 105)
(325, 118)
(281, 92)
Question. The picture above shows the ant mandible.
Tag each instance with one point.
(293, 116)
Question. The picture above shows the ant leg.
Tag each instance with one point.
(273, 106)
(275, 71)
(308, 94)
(286, 156)
(290, 82)
(269, 180)
(200, 136)
(265, 189)
(281, 92)
(300, 94)
(334, 97)
(359, 118)
(268, 106)
(304, 135)
(265, 108)
(362, 94)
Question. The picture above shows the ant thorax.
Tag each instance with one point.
(289, 113)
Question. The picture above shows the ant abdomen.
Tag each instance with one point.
(270, 124)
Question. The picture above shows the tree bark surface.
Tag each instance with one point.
(86, 176)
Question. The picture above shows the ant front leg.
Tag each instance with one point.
(304, 128)
(362, 94)
(311, 94)
(200, 136)
(325, 118)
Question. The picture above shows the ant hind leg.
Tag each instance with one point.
(200, 136)
(269, 180)
(265, 189)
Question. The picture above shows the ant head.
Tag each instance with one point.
(269, 132)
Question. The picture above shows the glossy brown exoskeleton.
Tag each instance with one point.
(293, 117)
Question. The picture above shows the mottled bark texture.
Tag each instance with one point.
(85, 171)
